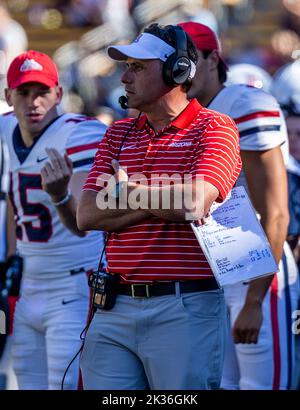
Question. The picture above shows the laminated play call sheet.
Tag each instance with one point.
(234, 241)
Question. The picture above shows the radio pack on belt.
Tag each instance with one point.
(105, 288)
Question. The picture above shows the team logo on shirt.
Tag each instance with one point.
(31, 65)
(181, 144)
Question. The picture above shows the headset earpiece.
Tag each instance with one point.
(177, 68)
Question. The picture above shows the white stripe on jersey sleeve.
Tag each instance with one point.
(264, 137)
(257, 122)
(88, 153)
(83, 142)
(262, 141)
(259, 134)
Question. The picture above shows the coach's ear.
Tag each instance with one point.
(8, 92)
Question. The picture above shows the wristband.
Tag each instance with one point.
(64, 200)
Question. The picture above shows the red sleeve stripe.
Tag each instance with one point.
(257, 114)
(80, 148)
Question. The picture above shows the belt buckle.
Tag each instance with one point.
(140, 284)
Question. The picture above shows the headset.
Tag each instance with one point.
(178, 67)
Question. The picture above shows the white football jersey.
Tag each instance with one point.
(41, 236)
(259, 119)
(3, 192)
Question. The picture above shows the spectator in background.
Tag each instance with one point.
(82, 12)
(13, 41)
(13, 38)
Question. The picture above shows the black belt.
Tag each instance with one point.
(142, 290)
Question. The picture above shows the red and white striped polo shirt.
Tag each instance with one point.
(198, 142)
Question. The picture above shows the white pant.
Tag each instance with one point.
(49, 318)
(269, 364)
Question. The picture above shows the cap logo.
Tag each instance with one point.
(138, 38)
(31, 65)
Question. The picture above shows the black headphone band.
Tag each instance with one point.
(181, 41)
(178, 67)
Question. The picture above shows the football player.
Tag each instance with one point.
(50, 155)
(260, 348)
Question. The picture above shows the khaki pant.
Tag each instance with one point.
(167, 342)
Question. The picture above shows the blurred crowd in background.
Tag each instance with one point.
(262, 33)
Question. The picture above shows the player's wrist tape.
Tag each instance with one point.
(64, 200)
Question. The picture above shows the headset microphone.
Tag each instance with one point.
(123, 101)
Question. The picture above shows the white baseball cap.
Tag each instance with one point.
(145, 47)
